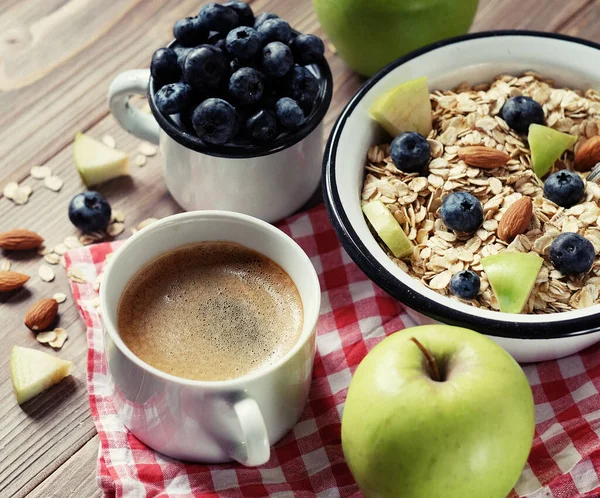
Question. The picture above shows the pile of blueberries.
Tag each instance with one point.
(570, 253)
(233, 77)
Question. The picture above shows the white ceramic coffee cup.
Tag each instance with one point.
(210, 421)
(269, 182)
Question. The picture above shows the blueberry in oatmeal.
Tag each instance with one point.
(564, 188)
(410, 152)
(572, 254)
(520, 112)
(465, 284)
(462, 212)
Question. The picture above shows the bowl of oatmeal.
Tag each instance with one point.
(470, 80)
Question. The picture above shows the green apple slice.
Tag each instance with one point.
(404, 108)
(512, 276)
(96, 162)
(32, 372)
(547, 145)
(388, 229)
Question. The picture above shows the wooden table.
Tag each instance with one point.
(57, 58)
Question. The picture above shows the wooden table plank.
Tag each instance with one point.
(53, 435)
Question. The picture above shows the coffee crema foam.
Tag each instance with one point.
(210, 311)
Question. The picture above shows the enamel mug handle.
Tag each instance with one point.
(141, 124)
(254, 449)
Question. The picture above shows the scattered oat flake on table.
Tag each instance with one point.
(43, 250)
(89, 238)
(63, 262)
(76, 275)
(40, 172)
(140, 160)
(52, 258)
(61, 337)
(144, 223)
(60, 297)
(53, 183)
(117, 216)
(72, 241)
(109, 141)
(10, 190)
(60, 249)
(27, 190)
(115, 229)
(147, 149)
(46, 273)
(46, 337)
(21, 196)
(98, 281)
(5, 266)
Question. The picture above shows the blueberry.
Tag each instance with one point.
(262, 17)
(90, 212)
(465, 284)
(462, 212)
(410, 152)
(520, 112)
(205, 66)
(242, 42)
(244, 12)
(181, 54)
(173, 98)
(571, 254)
(246, 86)
(302, 86)
(215, 121)
(564, 188)
(215, 17)
(262, 126)
(189, 32)
(164, 67)
(277, 59)
(289, 113)
(307, 49)
(274, 30)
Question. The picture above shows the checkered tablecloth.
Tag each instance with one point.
(355, 316)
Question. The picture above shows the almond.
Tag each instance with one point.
(20, 239)
(516, 219)
(11, 280)
(42, 314)
(588, 154)
(483, 157)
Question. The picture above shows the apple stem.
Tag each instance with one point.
(429, 357)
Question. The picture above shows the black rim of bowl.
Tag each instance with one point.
(386, 280)
(245, 151)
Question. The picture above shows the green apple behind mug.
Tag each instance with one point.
(368, 34)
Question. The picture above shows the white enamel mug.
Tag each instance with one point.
(210, 421)
(268, 182)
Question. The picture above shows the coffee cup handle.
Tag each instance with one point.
(141, 124)
(254, 449)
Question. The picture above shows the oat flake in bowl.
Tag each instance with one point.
(562, 324)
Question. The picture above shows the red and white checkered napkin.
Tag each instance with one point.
(355, 316)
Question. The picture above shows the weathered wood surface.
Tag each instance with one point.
(56, 60)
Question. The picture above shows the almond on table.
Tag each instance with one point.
(20, 239)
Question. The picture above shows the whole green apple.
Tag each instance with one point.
(437, 411)
(368, 34)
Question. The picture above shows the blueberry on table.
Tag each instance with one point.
(215, 121)
(465, 284)
(90, 212)
(215, 17)
(244, 12)
(164, 67)
(277, 59)
(246, 86)
(274, 30)
(173, 98)
(572, 254)
(289, 113)
(307, 49)
(462, 212)
(564, 188)
(262, 126)
(189, 32)
(262, 17)
(242, 42)
(205, 67)
(410, 152)
(302, 86)
(519, 112)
